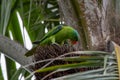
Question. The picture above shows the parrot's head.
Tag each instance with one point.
(75, 37)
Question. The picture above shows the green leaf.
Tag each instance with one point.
(14, 27)
(34, 12)
(6, 7)
(1, 74)
(84, 58)
(11, 67)
(31, 17)
(74, 65)
(16, 74)
(89, 75)
(91, 52)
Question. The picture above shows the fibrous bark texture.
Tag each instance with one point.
(96, 20)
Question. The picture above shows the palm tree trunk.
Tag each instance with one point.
(96, 21)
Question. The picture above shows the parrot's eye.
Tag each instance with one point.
(74, 42)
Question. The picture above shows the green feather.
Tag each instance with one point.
(49, 34)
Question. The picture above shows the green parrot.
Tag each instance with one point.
(58, 35)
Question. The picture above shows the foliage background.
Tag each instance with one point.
(97, 22)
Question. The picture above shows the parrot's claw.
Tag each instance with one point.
(55, 44)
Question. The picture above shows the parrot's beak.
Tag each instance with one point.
(73, 42)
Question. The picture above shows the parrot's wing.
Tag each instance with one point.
(50, 33)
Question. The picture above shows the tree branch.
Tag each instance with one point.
(14, 51)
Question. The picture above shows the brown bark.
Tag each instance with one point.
(75, 17)
(97, 23)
